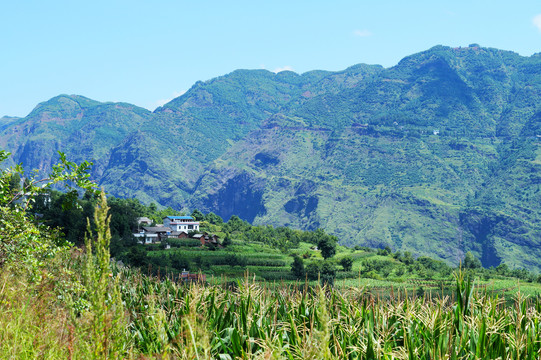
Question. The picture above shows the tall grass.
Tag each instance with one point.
(106, 316)
(73, 310)
(32, 325)
(164, 319)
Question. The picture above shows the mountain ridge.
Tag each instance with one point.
(438, 154)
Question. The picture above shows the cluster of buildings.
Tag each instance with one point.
(179, 227)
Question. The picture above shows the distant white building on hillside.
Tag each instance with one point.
(181, 223)
(172, 227)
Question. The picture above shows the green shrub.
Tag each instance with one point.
(346, 263)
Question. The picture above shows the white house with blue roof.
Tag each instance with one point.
(181, 223)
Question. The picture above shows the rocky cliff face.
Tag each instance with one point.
(240, 195)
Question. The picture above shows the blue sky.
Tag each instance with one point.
(147, 52)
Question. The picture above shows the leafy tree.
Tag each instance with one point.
(407, 258)
(137, 256)
(327, 245)
(15, 183)
(346, 263)
(324, 270)
(168, 211)
(257, 234)
(23, 241)
(521, 274)
(227, 241)
(313, 269)
(502, 269)
(198, 215)
(313, 237)
(71, 220)
(124, 214)
(471, 262)
(328, 273)
(214, 219)
(179, 261)
(161, 262)
(431, 264)
(236, 224)
(385, 251)
(297, 267)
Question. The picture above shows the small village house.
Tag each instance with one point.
(173, 227)
(181, 223)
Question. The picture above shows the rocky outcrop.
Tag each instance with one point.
(241, 195)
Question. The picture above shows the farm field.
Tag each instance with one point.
(263, 264)
(248, 319)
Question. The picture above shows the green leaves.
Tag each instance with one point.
(23, 241)
(66, 172)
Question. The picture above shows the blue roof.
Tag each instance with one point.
(180, 217)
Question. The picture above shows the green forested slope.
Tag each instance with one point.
(83, 128)
(438, 154)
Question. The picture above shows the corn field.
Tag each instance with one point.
(146, 318)
(257, 321)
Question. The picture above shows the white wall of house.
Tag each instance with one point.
(146, 238)
(181, 224)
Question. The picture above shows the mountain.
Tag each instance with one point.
(437, 155)
(81, 127)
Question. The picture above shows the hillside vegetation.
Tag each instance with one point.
(438, 155)
(272, 254)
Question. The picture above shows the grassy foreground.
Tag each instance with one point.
(56, 318)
